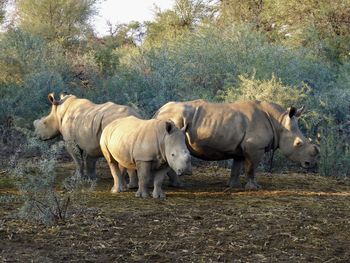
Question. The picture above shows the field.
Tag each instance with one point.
(297, 217)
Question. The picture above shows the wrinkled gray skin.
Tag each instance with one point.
(243, 131)
(149, 146)
(80, 122)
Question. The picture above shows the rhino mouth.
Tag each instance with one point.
(41, 137)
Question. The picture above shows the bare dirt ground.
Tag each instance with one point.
(296, 218)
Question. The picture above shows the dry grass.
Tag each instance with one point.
(296, 218)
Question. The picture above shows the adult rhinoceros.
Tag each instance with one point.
(81, 123)
(243, 131)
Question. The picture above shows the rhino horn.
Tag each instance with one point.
(316, 149)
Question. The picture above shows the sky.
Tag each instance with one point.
(124, 11)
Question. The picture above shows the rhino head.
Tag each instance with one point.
(176, 152)
(292, 142)
(48, 127)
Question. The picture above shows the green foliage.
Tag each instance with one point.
(2, 10)
(322, 26)
(266, 90)
(206, 63)
(23, 54)
(335, 151)
(63, 21)
(36, 180)
(178, 22)
(29, 69)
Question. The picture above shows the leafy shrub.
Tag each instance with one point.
(22, 54)
(37, 183)
(266, 90)
(335, 152)
(209, 61)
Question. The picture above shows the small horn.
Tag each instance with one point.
(317, 149)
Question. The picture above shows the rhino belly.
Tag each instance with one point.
(210, 153)
(122, 155)
(90, 147)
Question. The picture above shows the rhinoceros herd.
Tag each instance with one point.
(149, 149)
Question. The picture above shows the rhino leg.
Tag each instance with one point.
(91, 167)
(251, 162)
(118, 174)
(174, 179)
(158, 181)
(133, 180)
(143, 172)
(235, 172)
(77, 154)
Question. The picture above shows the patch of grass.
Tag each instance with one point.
(5, 181)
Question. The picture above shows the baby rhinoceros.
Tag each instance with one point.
(151, 147)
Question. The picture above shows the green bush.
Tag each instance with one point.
(210, 61)
(335, 152)
(36, 180)
(266, 90)
(22, 54)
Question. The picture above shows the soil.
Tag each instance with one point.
(295, 218)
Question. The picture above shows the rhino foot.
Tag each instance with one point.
(252, 186)
(142, 194)
(159, 194)
(116, 190)
(234, 184)
(133, 180)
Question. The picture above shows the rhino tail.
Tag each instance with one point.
(105, 150)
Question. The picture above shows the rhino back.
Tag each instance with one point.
(131, 139)
(84, 121)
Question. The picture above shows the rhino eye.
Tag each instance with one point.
(173, 154)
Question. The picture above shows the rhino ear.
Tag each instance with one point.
(63, 94)
(52, 99)
(292, 111)
(169, 127)
(299, 111)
